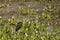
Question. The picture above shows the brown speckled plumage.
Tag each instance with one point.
(19, 25)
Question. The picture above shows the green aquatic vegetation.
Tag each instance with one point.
(45, 15)
(49, 8)
(4, 5)
(25, 11)
(29, 30)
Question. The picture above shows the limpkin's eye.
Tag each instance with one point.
(19, 25)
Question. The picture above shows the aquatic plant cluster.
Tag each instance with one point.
(44, 27)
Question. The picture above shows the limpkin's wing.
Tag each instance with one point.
(19, 25)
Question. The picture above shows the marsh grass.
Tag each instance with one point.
(40, 29)
(29, 31)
